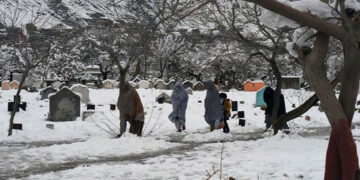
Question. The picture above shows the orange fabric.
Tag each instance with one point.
(227, 108)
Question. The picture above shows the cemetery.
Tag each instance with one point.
(179, 90)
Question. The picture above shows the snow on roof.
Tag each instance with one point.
(108, 80)
(254, 81)
(159, 80)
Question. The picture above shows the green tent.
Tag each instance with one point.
(260, 97)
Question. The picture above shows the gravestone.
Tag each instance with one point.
(199, 86)
(189, 91)
(91, 85)
(151, 85)
(188, 84)
(136, 80)
(28, 82)
(171, 84)
(108, 84)
(45, 93)
(160, 84)
(37, 84)
(62, 85)
(83, 90)
(163, 97)
(56, 84)
(234, 106)
(64, 106)
(144, 84)
(14, 85)
(5, 85)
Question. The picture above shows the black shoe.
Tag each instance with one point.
(179, 130)
(183, 127)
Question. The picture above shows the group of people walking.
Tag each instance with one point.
(217, 108)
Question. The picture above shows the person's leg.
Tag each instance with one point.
(122, 125)
(226, 128)
(139, 127)
(177, 124)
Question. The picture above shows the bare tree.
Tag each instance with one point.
(341, 159)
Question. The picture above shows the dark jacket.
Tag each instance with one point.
(213, 108)
(269, 95)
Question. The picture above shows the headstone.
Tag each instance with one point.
(242, 102)
(90, 107)
(14, 85)
(144, 84)
(199, 86)
(290, 82)
(56, 84)
(136, 80)
(45, 93)
(83, 90)
(160, 84)
(87, 113)
(17, 126)
(171, 84)
(108, 84)
(62, 85)
(166, 98)
(242, 122)
(5, 85)
(11, 107)
(189, 91)
(151, 85)
(188, 84)
(28, 82)
(64, 106)
(234, 106)
(91, 85)
(113, 107)
(241, 114)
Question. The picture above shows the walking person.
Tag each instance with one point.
(269, 95)
(213, 108)
(131, 110)
(179, 100)
(226, 103)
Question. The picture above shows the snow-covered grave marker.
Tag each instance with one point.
(171, 84)
(188, 84)
(5, 85)
(64, 106)
(56, 84)
(199, 86)
(87, 113)
(160, 84)
(108, 84)
(189, 91)
(234, 106)
(14, 85)
(83, 90)
(46, 92)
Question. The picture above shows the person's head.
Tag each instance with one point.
(268, 94)
(178, 85)
(223, 95)
(209, 85)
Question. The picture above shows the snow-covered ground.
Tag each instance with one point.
(85, 150)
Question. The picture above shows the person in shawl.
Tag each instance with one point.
(213, 108)
(179, 100)
(226, 103)
(269, 95)
(131, 110)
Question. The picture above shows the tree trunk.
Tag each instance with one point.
(121, 92)
(302, 108)
(276, 100)
(341, 158)
(17, 100)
